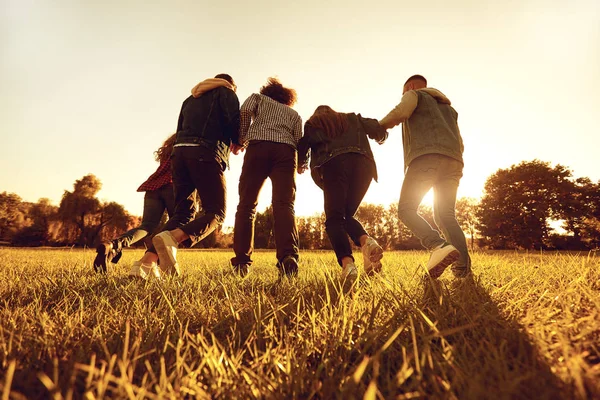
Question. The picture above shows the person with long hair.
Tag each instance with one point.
(269, 131)
(342, 165)
(158, 198)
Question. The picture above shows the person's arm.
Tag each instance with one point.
(230, 107)
(402, 111)
(298, 129)
(304, 151)
(180, 120)
(373, 129)
(247, 111)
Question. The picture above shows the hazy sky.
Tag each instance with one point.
(95, 86)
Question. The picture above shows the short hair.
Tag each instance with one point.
(275, 90)
(228, 78)
(419, 77)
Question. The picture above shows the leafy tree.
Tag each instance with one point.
(10, 214)
(519, 201)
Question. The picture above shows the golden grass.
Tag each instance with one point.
(527, 326)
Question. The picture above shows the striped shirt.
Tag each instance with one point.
(271, 121)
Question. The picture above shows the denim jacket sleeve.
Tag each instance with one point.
(373, 129)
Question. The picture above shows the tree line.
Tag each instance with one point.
(518, 209)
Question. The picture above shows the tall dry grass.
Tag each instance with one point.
(526, 326)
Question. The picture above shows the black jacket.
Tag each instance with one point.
(211, 120)
(354, 140)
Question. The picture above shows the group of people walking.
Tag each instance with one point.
(336, 145)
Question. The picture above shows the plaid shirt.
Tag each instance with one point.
(271, 121)
(158, 179)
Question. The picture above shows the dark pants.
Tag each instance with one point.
(193, 169)
(346, 179)
(443, 174)
(276, 161)
(156, 202)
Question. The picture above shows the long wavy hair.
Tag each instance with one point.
(329, 121)
(164, 152)
(275, 90)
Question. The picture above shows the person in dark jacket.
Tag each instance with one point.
(342, 164)
(157, 199)
(208, 125)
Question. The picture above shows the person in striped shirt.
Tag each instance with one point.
(269, 132)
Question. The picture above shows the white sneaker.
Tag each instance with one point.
(349, 276)
(442, 257)
(372, 255)
(144, 271)
(166, 248)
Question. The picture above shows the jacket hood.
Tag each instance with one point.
(439, 96)
(210, 84)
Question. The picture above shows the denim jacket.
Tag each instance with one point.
(355, 139)
(211, 120)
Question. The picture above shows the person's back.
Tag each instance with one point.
(432, 127)
(433, 150)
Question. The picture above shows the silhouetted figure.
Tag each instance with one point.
(208, 124)
(269, 130)
(342, 164)
(433, 151)
(158, 199)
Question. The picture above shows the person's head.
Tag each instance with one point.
(275, 90)
(164, 152)
(329, 121)
(228, 78)
(415, 82)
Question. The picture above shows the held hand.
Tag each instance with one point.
(236, 148)
(301, 169)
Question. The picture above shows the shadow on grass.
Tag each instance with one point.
(482, 352)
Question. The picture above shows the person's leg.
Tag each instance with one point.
(154, 207)
(361, 170)
(419, 178)
(335, 189)
(111, 251)
(253, 176)
(283, 179)
(183, 188)
(444, 196)
(209, 181)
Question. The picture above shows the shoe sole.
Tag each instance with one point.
(101, 259)
(439, 269)
(167, 263)
(376, 254)
(375, 268)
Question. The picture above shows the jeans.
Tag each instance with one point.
(443, 174)
(156, 202)
(195, 169)
(276, 161)
(346, 179)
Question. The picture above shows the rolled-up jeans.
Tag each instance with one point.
(442, 173)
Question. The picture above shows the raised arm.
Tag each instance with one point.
(373, 129)
(402, 111)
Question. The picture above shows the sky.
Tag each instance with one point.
(96, 86)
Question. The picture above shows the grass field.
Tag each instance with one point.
(526, 326)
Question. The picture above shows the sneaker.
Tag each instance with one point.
(349, 277)
(104, 254)
(144, 271)
(441, 257)
(288, 268)
(372, 255)
(166, 248)
(241, 269)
